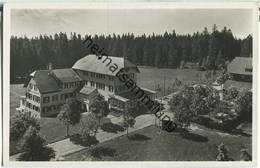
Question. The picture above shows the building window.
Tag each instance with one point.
(85, 73)
(92, 74)
(30, 86)
(100, 86)
(61, 96)
(35, 88)
(55, 98)
(249, 70)
(38, 99)
(30, 105)
(46, 99)
(71, 84)
(66, 85)
(92, 84)
(110, 88)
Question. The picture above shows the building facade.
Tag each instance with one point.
(49, 89)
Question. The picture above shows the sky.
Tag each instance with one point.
(137, 21)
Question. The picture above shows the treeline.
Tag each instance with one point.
(170, 50)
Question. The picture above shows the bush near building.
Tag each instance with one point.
(201, 104)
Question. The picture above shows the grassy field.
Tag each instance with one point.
(16, 91)
(148, 145)
(150, 77)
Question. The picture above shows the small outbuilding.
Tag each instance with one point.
(241, 69)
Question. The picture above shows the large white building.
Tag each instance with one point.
(49, 89)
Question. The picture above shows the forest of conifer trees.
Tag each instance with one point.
(209, 49)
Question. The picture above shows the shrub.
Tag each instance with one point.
(244, 105)
(110, 127)
(231, 93)
(84, 140)
(20, 123)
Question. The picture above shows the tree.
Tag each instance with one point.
(89, 125)
(246, 47)
(163, 51)
(213, 47)
(70, 114)
(180, 106)
(33, 147)
(20, 123)
(99, 107)
(88, 128)
(128, 118)
(220, 61)
(244, 105)
(223, 78)
(231, 94)
(222, 153)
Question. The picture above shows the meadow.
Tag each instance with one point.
(148, 144)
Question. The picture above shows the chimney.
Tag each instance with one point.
(49, 66)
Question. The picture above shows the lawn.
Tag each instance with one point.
(147, 145)
(150, 77)
(16, 91)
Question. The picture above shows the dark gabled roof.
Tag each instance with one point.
(91, 63)
(239, 66)
(66, 75)
(45, 82)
